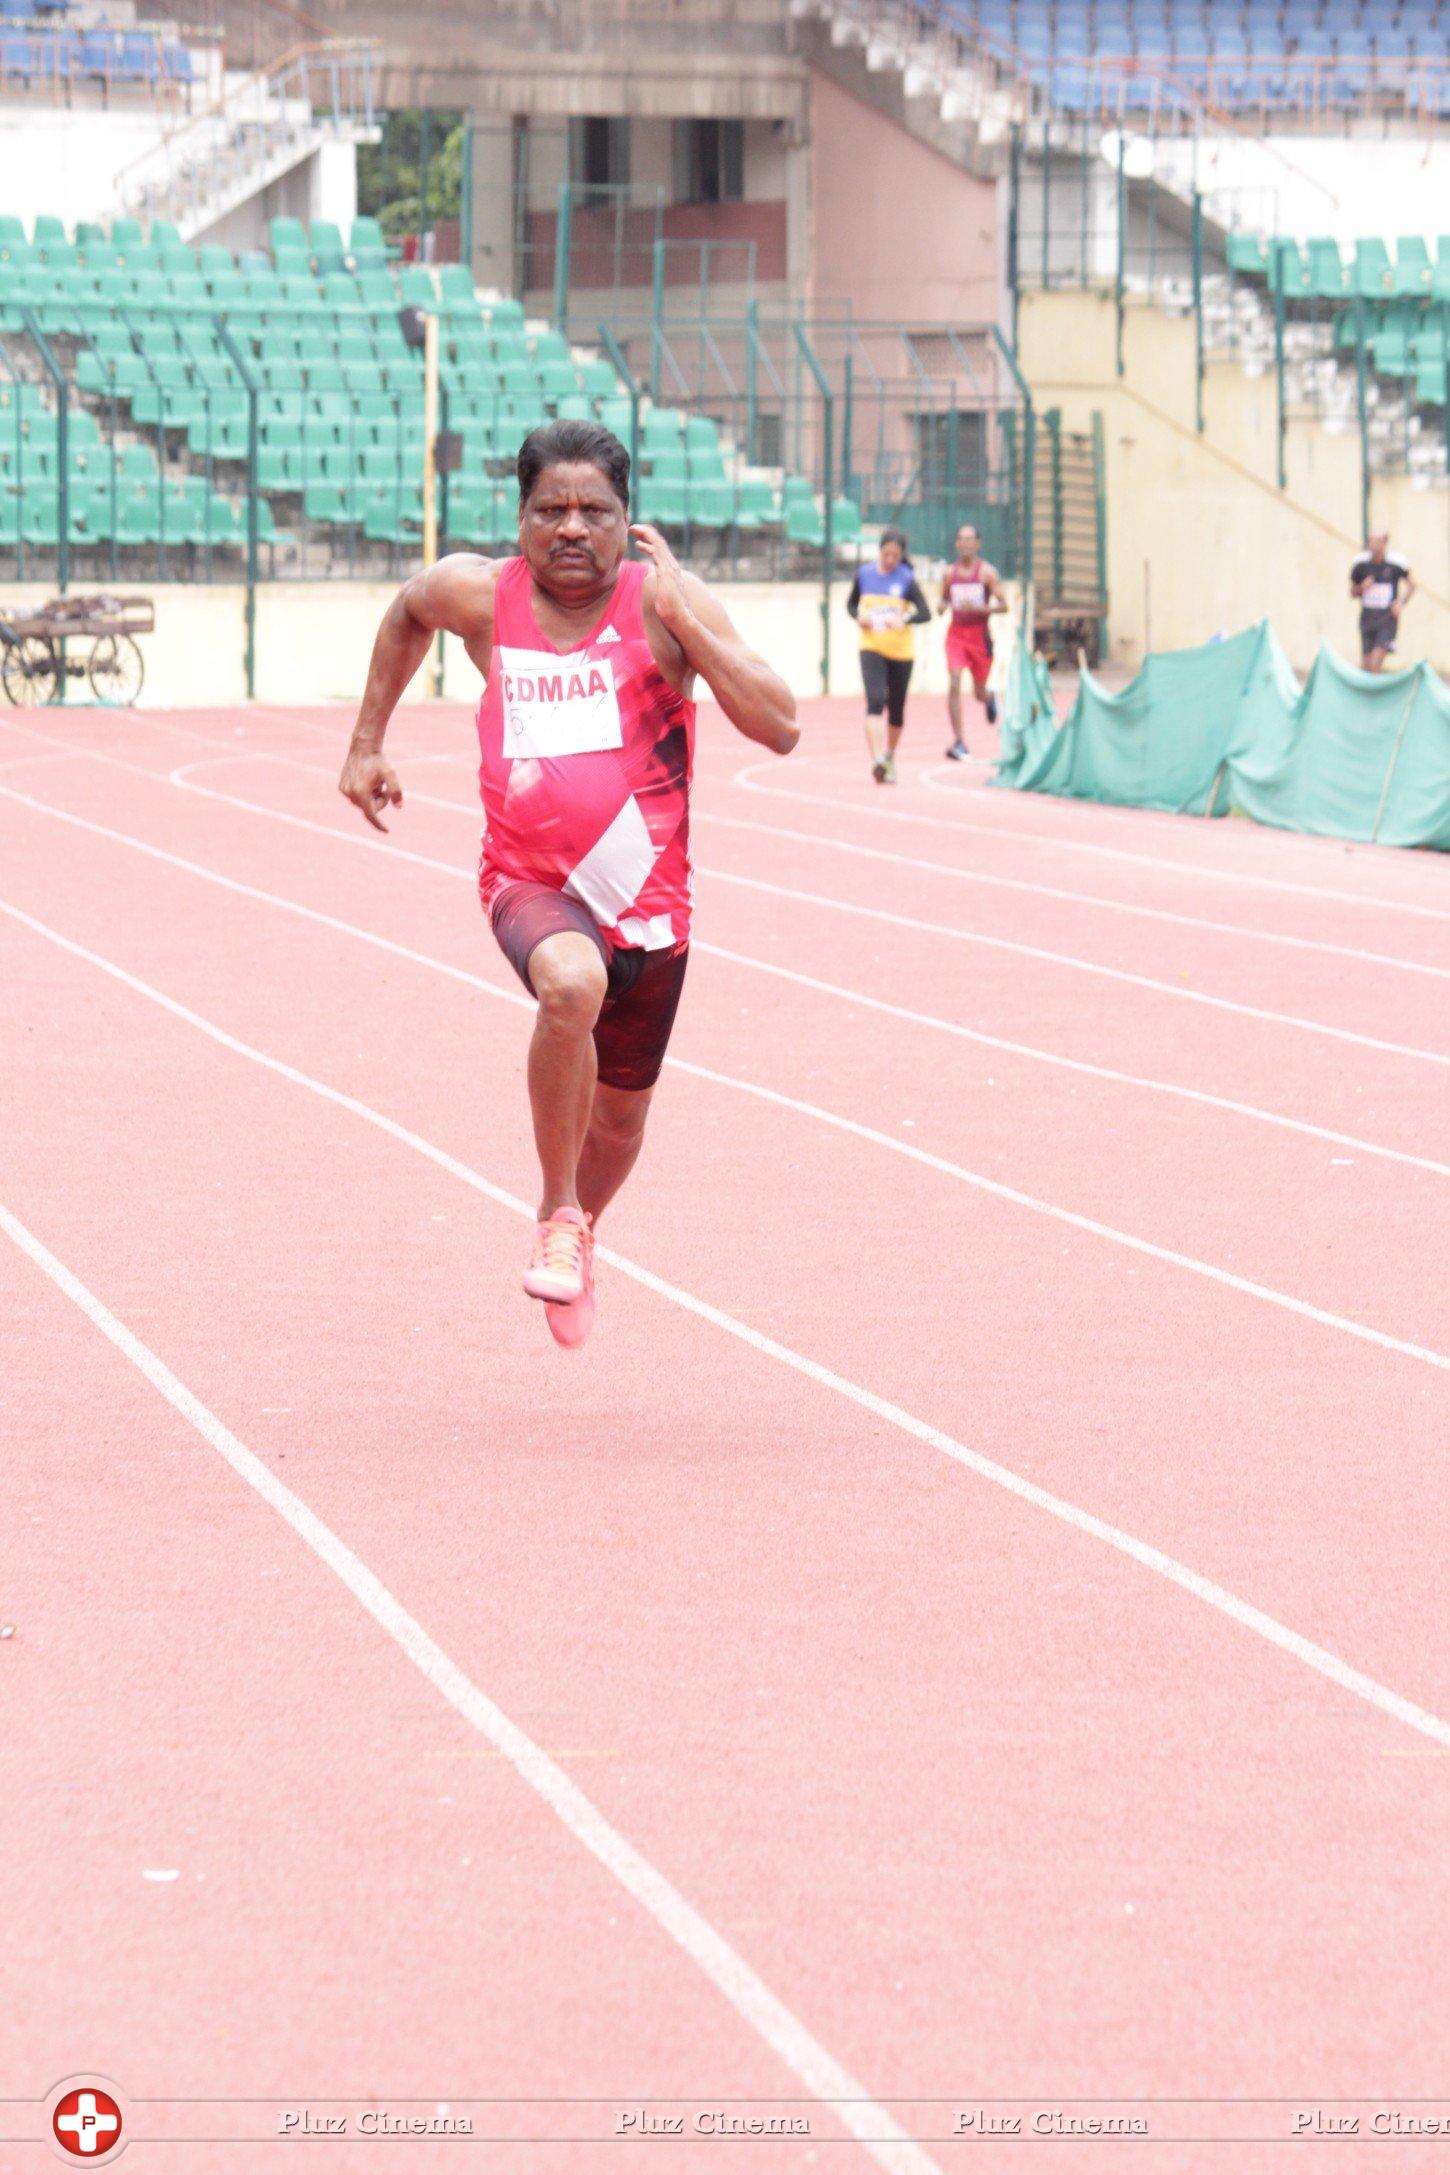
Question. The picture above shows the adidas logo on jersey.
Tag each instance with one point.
(610, 634)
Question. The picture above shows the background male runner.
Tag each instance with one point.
(972, 591)
(1377, 577)
(586, 734)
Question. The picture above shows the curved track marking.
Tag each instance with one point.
(977, 1179)
(1051, 891)
(878, 2133)
(804, 981)
(180, 778)
(745, 779)
(1243, 1613)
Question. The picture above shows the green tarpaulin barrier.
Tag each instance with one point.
(1349, 754)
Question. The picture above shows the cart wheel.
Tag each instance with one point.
(116, 670)
(29, 672)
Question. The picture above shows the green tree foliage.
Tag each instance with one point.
(390, 173)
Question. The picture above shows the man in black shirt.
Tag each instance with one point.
(1381, 580)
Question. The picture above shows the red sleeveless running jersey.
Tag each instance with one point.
(968, 592)
(585, 767)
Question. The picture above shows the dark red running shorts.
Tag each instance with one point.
(633, 1030)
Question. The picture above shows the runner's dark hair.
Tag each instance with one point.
(571, 439)
(898, 536)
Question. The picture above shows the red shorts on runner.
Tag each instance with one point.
(643, 994)
(969, 648)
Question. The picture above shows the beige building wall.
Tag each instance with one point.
(899, 229)
(1200, 537)
(314, 640)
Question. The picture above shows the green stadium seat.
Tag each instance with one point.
(292, 264)
(845, 521)
(284, 233)
(504, 314)
(40, 517)
(1412, 266)
(327, 250)
(1288, 269)
(366, 246)
(755, 503)
(574, 407)
(1327, 277)
(1373, 273)
(1248, 255)
(804, 523)
(663, 502)
(711, 503)
(213, 258)
(557, 379)
(666, 464)
(598, 380)
(661, 427)
(340, 293)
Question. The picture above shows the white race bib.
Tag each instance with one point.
(882, 614)
(556, 705)
(1378, 597)
(969, 596)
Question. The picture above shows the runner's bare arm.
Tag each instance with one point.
(454, 597)
(754, 698)
(1404, 597)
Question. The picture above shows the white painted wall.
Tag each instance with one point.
(67, 163)
(314, 640)
(1343, 187)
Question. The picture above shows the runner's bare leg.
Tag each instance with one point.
(569, 981)
(611, 1144)
(954, 703)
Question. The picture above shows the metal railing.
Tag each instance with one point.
(194, 170)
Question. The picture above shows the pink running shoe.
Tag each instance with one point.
(571, 1325)
(559, 1268)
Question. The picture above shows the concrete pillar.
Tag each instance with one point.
(493, 202)
(333, 184)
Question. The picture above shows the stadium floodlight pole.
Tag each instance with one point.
(828, 538)
(62, 453)
(1119, 304)
(244, 372)
(1198, 310)
(1362, 397)
(1028, 479)
(631, 385)
(420, 329)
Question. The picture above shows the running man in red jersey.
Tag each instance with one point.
(586, 732)
(972, 593)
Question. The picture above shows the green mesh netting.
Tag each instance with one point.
(1227, 726)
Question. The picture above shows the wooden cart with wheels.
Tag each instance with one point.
(75, 638)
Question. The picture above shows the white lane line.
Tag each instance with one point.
(1194, 870)
(746, 1992)
(941, 868)
(1244, 1613)
(1049, 891)
(813, 982)
(762, 966)
(813, 1111)
(180, 777)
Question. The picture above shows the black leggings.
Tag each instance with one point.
(886, 680)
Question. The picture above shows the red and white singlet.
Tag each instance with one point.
(585, 767)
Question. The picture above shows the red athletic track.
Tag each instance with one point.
(994, 1807)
